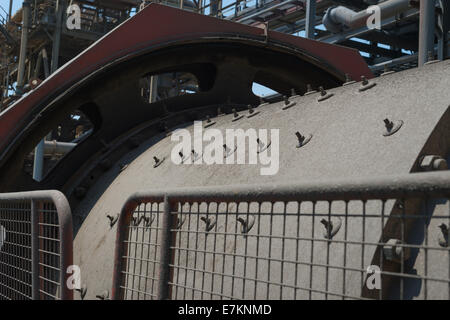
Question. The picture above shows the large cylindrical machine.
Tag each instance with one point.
(331, 123)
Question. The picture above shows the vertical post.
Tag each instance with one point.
(57, 35)
(168, 222)
(214, 7)
(153, 93)
(34, 250)
(38, 65)
(45, 61)
(39, 150)
(121, 235)
(10, 10)
(426, 30)
(310, 18)
(23, 46)
(38, 166)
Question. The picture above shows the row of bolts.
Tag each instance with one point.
(245, 225)
(393, 250)
(301, 139)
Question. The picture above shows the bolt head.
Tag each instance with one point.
(389, 124)
(393, 251)
(364, 80)
(322, 91)
(293, 93)
(433, 162)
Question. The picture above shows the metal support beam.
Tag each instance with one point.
(310, 18)
(56, 147)
(23, 46)
(45, 61)
(35, 250)
(444, 28)
(10, 9)
(38, 166)
(60, 5)
(167, 239)
(426, 30)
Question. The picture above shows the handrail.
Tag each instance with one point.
(171, 205)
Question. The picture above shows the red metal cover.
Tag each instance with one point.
(155, 26)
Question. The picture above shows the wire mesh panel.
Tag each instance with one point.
(15, 251)
(385, 240)
(35, 246)
(142, 253)
(310, 250)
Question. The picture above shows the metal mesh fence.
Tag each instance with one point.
(356, 244)
(143, 253)
(35, 246)
(15, 251)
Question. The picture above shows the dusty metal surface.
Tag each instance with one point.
(347, 141)
(286, 241)
(384, 126)
(36, 246)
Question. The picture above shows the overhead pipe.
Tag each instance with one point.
(336, 18)
(54, 147)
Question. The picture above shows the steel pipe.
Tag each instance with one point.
(426, 30)
(310, 19)
(23, 46)
(38, 163)
(335, 19)
(55, 147)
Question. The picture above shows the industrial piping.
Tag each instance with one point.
(335, 19)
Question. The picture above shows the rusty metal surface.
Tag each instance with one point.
(127, 43)
(273, 241)
(36, 246)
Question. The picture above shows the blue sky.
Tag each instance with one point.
(257, 89)
(5, 5)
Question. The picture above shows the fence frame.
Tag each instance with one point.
(65, 234)
(434, 184)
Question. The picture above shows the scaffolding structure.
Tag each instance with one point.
(35, 41)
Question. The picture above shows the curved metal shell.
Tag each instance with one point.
(347, 141)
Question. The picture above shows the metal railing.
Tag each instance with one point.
(296, 241)
(35, 246)
(3, 15)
